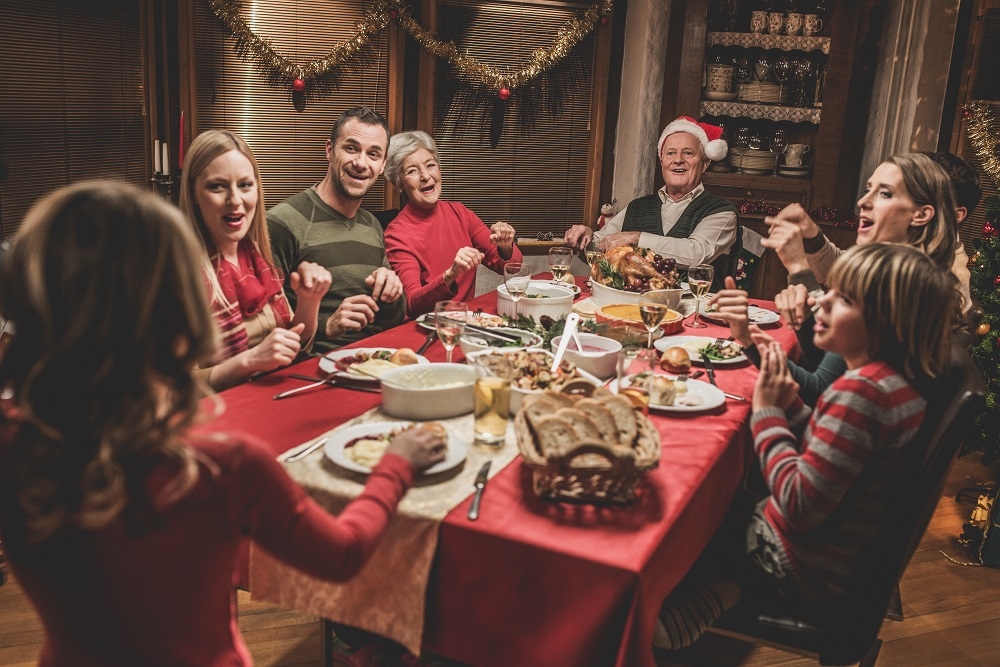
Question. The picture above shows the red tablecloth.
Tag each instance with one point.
(539, 583)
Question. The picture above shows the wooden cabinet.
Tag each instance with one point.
(844, 56)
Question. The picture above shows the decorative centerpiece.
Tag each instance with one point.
(588, 447)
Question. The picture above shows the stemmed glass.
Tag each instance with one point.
(743, 72)
(700, 279)
(777, 147)
(592, 254)
(559, 262)
(652, 309)
(516, 277)
(742, 142)
(782, 69)
(449, 320)
(761, 69)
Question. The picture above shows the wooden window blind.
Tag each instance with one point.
(71, 98)
(536, 182)
(287, 142)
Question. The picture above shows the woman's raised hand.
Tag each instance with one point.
(310, 282)
(732, 306)
(420, 446)
(775, 385)
(278, 349)
(466, 259)
(793, 303)
(502, 235)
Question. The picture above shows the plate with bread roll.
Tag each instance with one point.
(672, 394)
(721, 352)
(368, 363)
(359, 448)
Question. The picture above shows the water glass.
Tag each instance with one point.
(491, 402)
(449, 321)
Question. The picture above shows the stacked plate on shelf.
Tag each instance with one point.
(715, 96)
(753, 162)
(764, 92)
(794, 172)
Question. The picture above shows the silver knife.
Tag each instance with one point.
(431, 337)
(305, 452)
(298, 390)
(480, 484)
(710, 369)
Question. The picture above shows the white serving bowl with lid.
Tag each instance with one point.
(552, 300)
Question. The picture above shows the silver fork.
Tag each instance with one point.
(477, 312)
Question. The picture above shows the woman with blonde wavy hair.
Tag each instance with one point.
(222, 196)
(120, 525)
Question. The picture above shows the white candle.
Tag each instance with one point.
(156, 156)
(166, 159)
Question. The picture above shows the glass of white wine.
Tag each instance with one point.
(700, 279)
(516, 277)
(652, 309)
(559, 262)
(449, 320)
(593, 255)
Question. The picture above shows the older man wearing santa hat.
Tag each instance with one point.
(682, 220)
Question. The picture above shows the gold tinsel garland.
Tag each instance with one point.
(542, 59)
(377, 17)
(979, 123)
(258, 49)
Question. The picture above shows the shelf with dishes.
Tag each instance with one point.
(744, 109)
(768, 41)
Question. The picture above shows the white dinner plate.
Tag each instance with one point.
(694, 343)
(700, 396)
(335, 448)
(328, 364)
(755, 314)
(481, 320)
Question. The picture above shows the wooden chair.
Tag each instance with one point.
(846, 632)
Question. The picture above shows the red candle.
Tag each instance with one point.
(180, 151)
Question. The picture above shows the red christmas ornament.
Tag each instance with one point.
(298, 85)
(604, 20)
(996, 281)
(504, 93)
(393, 14)
(966, 114)
(988, 230)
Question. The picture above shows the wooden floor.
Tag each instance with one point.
(952, 613)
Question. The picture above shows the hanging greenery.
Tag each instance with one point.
(485, 88)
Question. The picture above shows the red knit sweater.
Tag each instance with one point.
(164, 594)
(422, 245)
(829, 489)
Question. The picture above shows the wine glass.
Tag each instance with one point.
(741, 142)
(700, 279)
(777, 147)
(743, 72)
(559, 262)
(516, 277)
(593, 255)
(652, 309)
(761, 70)
(782, 69)
(449, 320)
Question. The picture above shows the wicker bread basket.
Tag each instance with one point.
(591, 470)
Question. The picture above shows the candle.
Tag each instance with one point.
(166, 159)
(180, 151)
(156, 157)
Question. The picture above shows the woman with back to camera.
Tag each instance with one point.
(222, 196)
(435, 245)
(121, 525)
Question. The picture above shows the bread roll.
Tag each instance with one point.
(662, 390)
(676, 360)
(404, 356)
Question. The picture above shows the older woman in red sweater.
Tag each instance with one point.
(435, 245)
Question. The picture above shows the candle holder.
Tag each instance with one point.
(163, 183)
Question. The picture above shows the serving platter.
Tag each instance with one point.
(481, 320)
(756, 315)
(694, 343)
(337, 447)
(334, 362)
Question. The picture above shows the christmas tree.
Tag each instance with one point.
(985, 350)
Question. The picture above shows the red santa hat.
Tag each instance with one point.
(710, 136)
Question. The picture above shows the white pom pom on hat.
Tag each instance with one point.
(710, 136)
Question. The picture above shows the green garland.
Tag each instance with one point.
(985, 351)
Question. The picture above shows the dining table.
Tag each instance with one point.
(531, 581)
